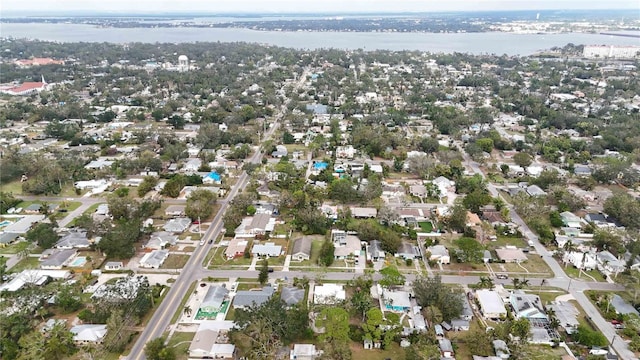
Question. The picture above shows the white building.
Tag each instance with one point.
(613, 51)
(491, 304)
(328, 293)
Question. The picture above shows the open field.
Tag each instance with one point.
(175, 261)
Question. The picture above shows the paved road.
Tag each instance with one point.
(575, 288)
(192, 271)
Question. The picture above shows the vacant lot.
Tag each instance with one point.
(175, 261)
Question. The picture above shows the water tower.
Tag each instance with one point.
(183, 63)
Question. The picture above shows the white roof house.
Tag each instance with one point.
(571, 220)
(491, 304)
(567, 314)
(439, 254)
(267, 249)
(177, 225)
(154, 259)
(304, 352)
(36, 277)
(609, 264)
(511, 255)
(209, 342)
(88, 333)
(161, 239)
(396, 300)
(580, 260)
(328, 293)
(74, 239)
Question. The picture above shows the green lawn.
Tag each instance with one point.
(14, 248)
(573, 272)
(26, 263)
(14, 187)
(426, 226)
(394, 352)
(180, 341)
(175, 261)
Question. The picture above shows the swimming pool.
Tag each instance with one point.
(4, 223)
(79, 261)
(320, 165)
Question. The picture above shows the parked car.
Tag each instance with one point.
(502, 276)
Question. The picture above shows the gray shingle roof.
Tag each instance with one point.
(292, 295)
(247, 298)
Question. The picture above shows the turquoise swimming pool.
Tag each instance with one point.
(4, 223)
(78, 262)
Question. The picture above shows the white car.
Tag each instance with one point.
(598, 351)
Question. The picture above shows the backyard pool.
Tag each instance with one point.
(4, 223)
(320, 165)
(79, 261)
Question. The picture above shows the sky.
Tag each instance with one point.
(303, 6)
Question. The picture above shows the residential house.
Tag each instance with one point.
(444, 185)
(7, 238)
(328, 293)
(57, 259)
(600, 220)
(267, 250)
(113, 265)
(345, 245)
(511, 255)
(491, 304)
(374, 250)
(567, 314)
(211, 342)
(177, 225)
(292, 295)
(446, 349)
(396, 300)
(439, 254)
(418, 190)
(535, 190)
(214, 298)
(345, 152)
(246, 298)
(74, 240)
(98, 164)
(302, 249)
(304, 352)
(280, 152)
(571, 220)
(439, 331)
(609, 264)
(408, 251)
(175, 210)
(364, 212)
(622, 307)
(161, 240)
(192, 165)
(260, 224)
(580, 260)
(501, 349)
(88, 333)
(236, 248)
(467, 311)
(527, 306)
(212, 178)
(154, 259)
(460, 325)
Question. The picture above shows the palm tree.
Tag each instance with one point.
(187, 310)
(520, 283)
(554, 322)
(568, 247)
(485, 283)
(609, 300)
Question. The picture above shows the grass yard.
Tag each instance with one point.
(14, 248)
(573, 272)
(536, 264)
(14, 187)
(26, 263)
(184, 300)
(175, 261)
(220, 260)
(426, 226)
(180, 341)
(503, 241)
(358, 352)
